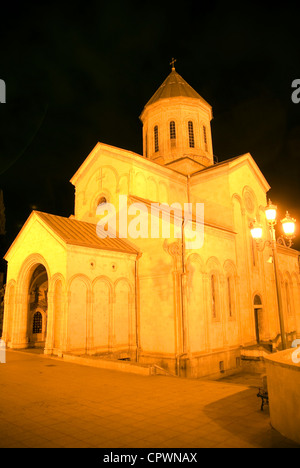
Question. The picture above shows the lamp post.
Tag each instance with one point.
(288, 225)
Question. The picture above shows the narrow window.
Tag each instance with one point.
(37, 323)
(213, 296)
(172, 134)
(191, 135)
(205, 138)
(156, 147)
(172, 131)
(229, 296)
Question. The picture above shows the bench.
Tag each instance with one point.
(263, 393)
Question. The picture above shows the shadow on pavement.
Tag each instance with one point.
(239, 416)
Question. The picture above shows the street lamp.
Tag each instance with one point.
(256, 230)
(288, 225)
(271, 213)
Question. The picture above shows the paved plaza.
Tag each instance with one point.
(50, 403)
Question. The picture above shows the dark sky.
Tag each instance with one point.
(78, 73)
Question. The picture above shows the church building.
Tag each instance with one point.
(150, 299)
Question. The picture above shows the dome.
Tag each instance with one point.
(175, 86)
(176, 127)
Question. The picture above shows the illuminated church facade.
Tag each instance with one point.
(151, 300)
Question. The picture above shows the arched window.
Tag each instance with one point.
(257, 300)
(102, 201)
(37, 323)
(205, 138)
(214, 296)
(156, 146)
(172, 133)
(191, 134)
(172, 130)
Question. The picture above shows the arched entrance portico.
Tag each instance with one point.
(30, 304)
(37, 307)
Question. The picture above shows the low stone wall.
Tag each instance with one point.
(121, 366)
(214, 364)
(284, 393)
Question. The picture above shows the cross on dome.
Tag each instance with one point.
(173, 63)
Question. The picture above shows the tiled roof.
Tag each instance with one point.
(214, 166)
(75, 232)
(174, 86)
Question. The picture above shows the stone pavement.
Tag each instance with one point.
(49, 403)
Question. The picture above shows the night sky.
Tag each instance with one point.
(81, 72)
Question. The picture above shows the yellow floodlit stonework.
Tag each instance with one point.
(151, 299)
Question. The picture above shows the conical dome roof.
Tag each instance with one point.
(175, 86)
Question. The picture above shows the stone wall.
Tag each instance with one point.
(284, 393)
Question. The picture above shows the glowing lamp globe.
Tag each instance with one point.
(271, 212)
(256, 230)
(288, 225)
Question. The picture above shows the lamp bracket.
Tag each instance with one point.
(285, 242)
(260, 245)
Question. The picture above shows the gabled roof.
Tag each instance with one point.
(234, 163)
(174, 86)
(74, 232)
(120, 154)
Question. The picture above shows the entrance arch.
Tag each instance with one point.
(37, 307)
(258, 316)
(31, 296)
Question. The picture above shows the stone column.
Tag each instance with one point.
(175, 250)
(266, 308)
(112, 335)
(50, 324)
(177, 313)
(247, 274)
(19, 337)
(237, 307)
(223, 309)
(185, 312)
(64, 322)
(9, 315)
(206, 306)
(132, 325)
(67, 343)
(89, 323)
